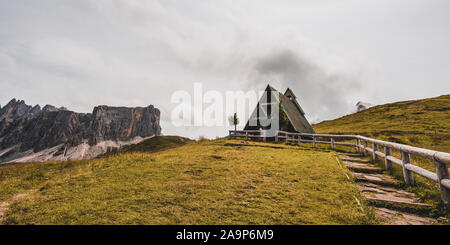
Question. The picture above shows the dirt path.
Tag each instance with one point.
(393, 205)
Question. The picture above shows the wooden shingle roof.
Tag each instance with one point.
(293, 111)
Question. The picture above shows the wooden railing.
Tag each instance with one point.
(441, 159)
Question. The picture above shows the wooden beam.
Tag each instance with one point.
(442, 174)
(430, 154)
(365, 148)
(387, 162)
(407, 174)
(374, 155)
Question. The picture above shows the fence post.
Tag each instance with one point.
(332, 143)
(442, 173)
(276, 136)
(314, 141)
(374, 154)
(365, 148)
(387, 152)
(357, 145)
(246, 135)
(287, 137)
(408, 175)
(299, 140)
(229, 134)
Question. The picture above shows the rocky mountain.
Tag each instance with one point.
(30, 133)
(360, 106)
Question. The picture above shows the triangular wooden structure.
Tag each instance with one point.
(291, 118)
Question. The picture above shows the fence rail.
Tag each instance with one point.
(441, 159)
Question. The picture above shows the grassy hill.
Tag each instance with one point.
(173, 180)
(423, 123)
(156, 143)
(200, 182)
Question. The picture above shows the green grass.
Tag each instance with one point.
(205, 182)
(156, 143)
(25, 176)
(422, 123)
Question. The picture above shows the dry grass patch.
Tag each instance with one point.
(207, 182)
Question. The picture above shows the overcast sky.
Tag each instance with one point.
(332, 54)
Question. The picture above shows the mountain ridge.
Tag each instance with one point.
(26, 130)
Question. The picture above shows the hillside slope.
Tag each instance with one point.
(423, 123)
(156, 143)
(204, 182)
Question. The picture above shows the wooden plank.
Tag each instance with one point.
(379, 154)
(445, 183)
(395, 160)
(407, 174)
(441, 174)
(440, 156)
(387, 162)
(321, 135)
(422, 172)
(374, 155)
(343, 143)
(365, 148)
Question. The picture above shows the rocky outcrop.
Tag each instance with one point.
(16, 109)
(27, 130)
(122, 123)
(361, 106)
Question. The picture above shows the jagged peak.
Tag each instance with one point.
(50, 108)
(11, 102)
(14, 102)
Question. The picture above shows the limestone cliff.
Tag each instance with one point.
(33, 134)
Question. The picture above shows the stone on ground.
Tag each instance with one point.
(373, 185)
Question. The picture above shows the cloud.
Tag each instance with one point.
(322, 94)
(80, 54)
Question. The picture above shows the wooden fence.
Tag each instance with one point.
(371, 146)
